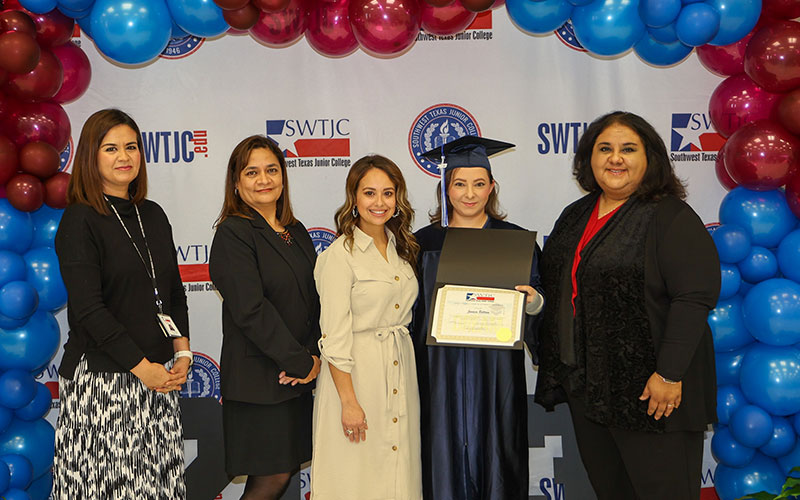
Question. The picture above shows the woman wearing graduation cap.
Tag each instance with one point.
(473, 400)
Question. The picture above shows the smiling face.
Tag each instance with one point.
(469, 192)
(619, 161)
(260, 181)
(119, 160)
(375, 200)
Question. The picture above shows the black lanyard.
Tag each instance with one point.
(151, 273)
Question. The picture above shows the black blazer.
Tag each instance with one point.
(270, 314)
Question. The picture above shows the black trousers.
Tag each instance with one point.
(633, 465)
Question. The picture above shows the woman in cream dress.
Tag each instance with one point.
(366, 409)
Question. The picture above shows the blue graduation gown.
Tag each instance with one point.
(473, 401)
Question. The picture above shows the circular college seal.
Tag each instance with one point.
(438, 125)
(179, 48)
(203, 379)
(322, 238)
(66, 157)
(566, 33)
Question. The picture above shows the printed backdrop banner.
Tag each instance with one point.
(539, 93)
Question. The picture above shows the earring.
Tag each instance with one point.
(396, 212)
(355, 212)
(236, 191)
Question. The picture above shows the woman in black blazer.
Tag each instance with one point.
(262, 262)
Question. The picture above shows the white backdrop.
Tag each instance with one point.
(536, 92)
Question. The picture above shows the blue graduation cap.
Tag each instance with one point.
(469, 151)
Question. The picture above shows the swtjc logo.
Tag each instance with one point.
(174, 146)
(559, 138)
(65, 158)
(320, 142)
(691, 135)
(566, 33)
(203, 378)
(322, 238)
(479, 296)
(436, 126)
(181, 47)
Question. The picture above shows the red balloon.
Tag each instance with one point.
(789, 111)
(738, 101)
(3, 76)
(55, 190)
(272, 5)
(725, 60)
(242, 19)
(281, 29)
(235, 32)
(9, 159)
(77, 72)
(41, 83)
(448, 20)
(39, 121)
(793, 194)
(25, 192)
(438, 3)
(231, 4)
(15, 20)
(39, 159)
(722, 174)
(772, 58)
(385, 27)
(19, 52)
(762, 155)
(477, 5)
(53, 28)
(329, 31)
(781, 9)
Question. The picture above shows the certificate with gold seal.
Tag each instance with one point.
(478, 316)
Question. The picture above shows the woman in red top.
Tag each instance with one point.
(630, 274)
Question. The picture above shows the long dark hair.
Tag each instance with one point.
(400, 226)
(659, 177)
(233, 203)
(85, 183)
(492, 207)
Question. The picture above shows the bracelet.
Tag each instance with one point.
(185, 354)
(667, 381)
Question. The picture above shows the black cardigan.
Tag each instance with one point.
(111, 305)
(647, 297)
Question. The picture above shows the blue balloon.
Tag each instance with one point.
(727, 325)
(201, 17)
(789, 255)
(39, 405)
(6, 416)
(86, 25)
(45, 275)
(16, 494)
(5, 476)
(131, 31)
(751, 426)
(761, 474)
(41, 487)
(20, 468)
(177, 32)
(32, 346)
(729, 451)
(664, 35)
(16, 228)
(731, 279)
(39, 6)
(608, 27)
(539, 17)
(17, 388)
(579, 2)
(656, 53)
(18, 300)
(45, 224)
(764, 214)
(783, 438)
(759, 265)
(797, 424)
(745, 288)
(770, 378)
(728, 365)
(729, 399)
(737, 18)
(733, 243)
(33, 440)
(74, 5)
(790, 461)
(771, 312)
(74, 14)
(12, 267)
(659, 13)
(7, 323)
(697, 24)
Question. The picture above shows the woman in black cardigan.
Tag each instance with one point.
(631, 273)
(262, 263)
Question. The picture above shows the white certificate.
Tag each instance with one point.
(487, 317)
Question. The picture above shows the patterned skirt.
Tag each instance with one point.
(116, 439)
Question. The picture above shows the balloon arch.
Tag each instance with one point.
(755, 46)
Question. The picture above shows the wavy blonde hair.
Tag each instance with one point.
(400, 226)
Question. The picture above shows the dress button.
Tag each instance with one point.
(396, 363)
(394, 420)
(397, 278)
(397, 306)
(324, 336)
(394, 391)
(394, 448)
